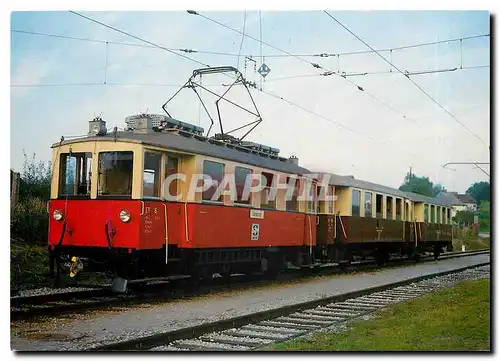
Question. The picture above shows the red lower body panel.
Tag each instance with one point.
(96, 223)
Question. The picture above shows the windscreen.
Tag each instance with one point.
(115, 174)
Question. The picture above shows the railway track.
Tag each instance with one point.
(58, 303)
(257, 330)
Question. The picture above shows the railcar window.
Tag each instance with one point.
(151, 175)
(426, 213)
(240, 177)
(368, 204)
(311, 199)
(75, 173)
(216, 172)
(265, 195)
(389, 208)
(380, 205)
(433, 214)
(331, 203)
(171, 167)
(398, 209)
(115, 174)
(292, 204)
(355, 202)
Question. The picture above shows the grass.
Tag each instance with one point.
(29, 264)
(471, 244)
(454, 319)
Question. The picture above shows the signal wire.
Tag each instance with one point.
(265, 92)
(315, 65)
(410, 79)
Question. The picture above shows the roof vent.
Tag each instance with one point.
(97, 126)
(294, 160)
(143, 123)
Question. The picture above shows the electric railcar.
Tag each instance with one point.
(109, 210)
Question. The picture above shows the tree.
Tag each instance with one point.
(480, 191)
(438, 188)
(464, 217)
(484, 216)
(35, 179)
(416, 184)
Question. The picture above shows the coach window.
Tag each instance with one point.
(215, 171)
(379, 198)
(151, 175)
(368, 204)
(240, 176)
(171, 168)
(311, 199)
(398, 209)
(265, 195)
(443, 216)
(292, 204)
(389, 208)
(75, 172)
(426, 213)
(115, 174)
(355, 202)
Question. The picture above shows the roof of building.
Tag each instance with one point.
(466, 198)
(197, 145)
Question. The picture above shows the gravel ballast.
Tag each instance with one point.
(95, 328)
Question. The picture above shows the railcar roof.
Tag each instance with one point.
(195, 146)
(350, 181)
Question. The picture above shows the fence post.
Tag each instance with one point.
(14, 187)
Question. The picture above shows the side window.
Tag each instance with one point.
(331, 192)
(171, 167)
(265, 201)
(368, 204)
(433, 214)
(398, 208)
(426, 213)
(75, 173)
(292, 204)
(216, 172)
(355, 202)
(311, 201)
(379, 205)
(389, 208)
(240, 177)
(151, 175)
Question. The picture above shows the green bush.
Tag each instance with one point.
(30, 221)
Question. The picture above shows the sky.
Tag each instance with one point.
(57, 85)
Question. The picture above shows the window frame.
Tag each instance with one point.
(358, 192)
(98, 183)
(158, 174)
(63, 161)
(220, 200)
(370, 215)
(267, 189)
(247, 203)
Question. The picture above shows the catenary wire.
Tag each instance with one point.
(410, 79)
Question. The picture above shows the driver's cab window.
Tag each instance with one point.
(151, 175)
(115, 174)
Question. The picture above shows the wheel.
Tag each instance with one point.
(437, 252)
